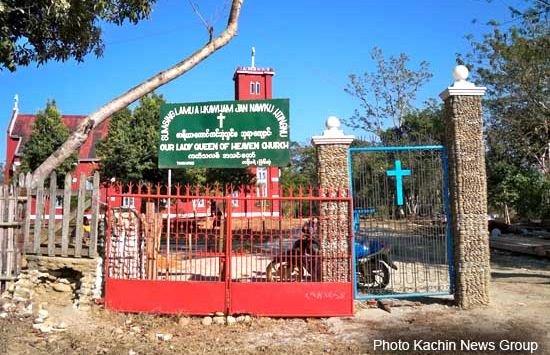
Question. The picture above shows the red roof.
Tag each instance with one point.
(23, 124)
(253, 70)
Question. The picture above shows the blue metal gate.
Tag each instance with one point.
(402, 235)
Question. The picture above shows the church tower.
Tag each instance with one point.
(252, 83)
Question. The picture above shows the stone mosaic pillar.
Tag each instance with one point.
(332, 167)
(468, 190)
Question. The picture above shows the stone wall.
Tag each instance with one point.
(332, 166)
(468, 190)
(54, 280)
(333, 175)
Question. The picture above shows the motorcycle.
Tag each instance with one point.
(302, 261)
(372, 261)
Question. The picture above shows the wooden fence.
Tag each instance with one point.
(28, 223)
(10, 216)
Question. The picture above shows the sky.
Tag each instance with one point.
(313, 46)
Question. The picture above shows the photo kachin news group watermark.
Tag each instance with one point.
(456, 345)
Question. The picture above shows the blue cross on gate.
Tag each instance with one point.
(398, 173)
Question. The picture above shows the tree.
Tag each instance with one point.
(513, 63)
(302, 170)
(42, 30)
(48, 134)
(78, 137)
(130, 151)
(525, 192)
(386, 94)
(300, 173)
(419, 127)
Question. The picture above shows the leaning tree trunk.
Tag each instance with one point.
(506, 214)
(79, 136)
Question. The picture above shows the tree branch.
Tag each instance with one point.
(208, 26)
(79, 136)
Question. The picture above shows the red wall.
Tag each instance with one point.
(243, 78)
(11, 146)
(242, 86)
(83, 167)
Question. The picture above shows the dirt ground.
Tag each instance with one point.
(520, 311)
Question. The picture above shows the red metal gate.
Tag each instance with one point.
(200, 251)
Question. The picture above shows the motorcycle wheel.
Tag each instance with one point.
(373, 276)
(281, 271)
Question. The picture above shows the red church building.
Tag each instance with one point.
(251, 83)
(19, 132)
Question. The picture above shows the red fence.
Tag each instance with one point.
(197, 251)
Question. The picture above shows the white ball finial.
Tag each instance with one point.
(460, 73)
(461, 86)
(332, 134)
(332, 123)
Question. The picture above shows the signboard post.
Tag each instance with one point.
(224, 134)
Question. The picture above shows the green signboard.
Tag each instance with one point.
(224, 134)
